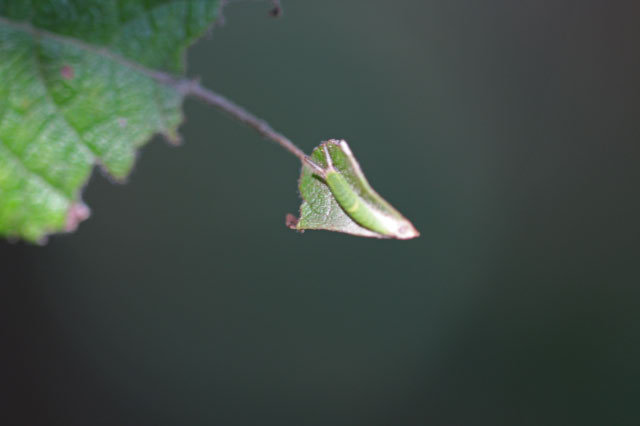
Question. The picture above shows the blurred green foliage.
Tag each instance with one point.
(70, 98)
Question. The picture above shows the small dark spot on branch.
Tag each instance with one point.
(276, 10)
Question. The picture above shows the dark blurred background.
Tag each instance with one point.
(507, 131)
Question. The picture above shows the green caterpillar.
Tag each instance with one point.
(360, 202)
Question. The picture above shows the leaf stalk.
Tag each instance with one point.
(193, 88)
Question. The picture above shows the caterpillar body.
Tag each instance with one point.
(363, 206)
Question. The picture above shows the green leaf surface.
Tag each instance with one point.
(76, 91)
(321, 211)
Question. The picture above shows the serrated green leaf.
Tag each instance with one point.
(321, 210)
(75, 91)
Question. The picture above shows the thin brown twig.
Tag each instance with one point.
(195, 89)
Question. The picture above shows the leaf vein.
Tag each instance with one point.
(34, 173)
(59, 112)
(104, 52)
